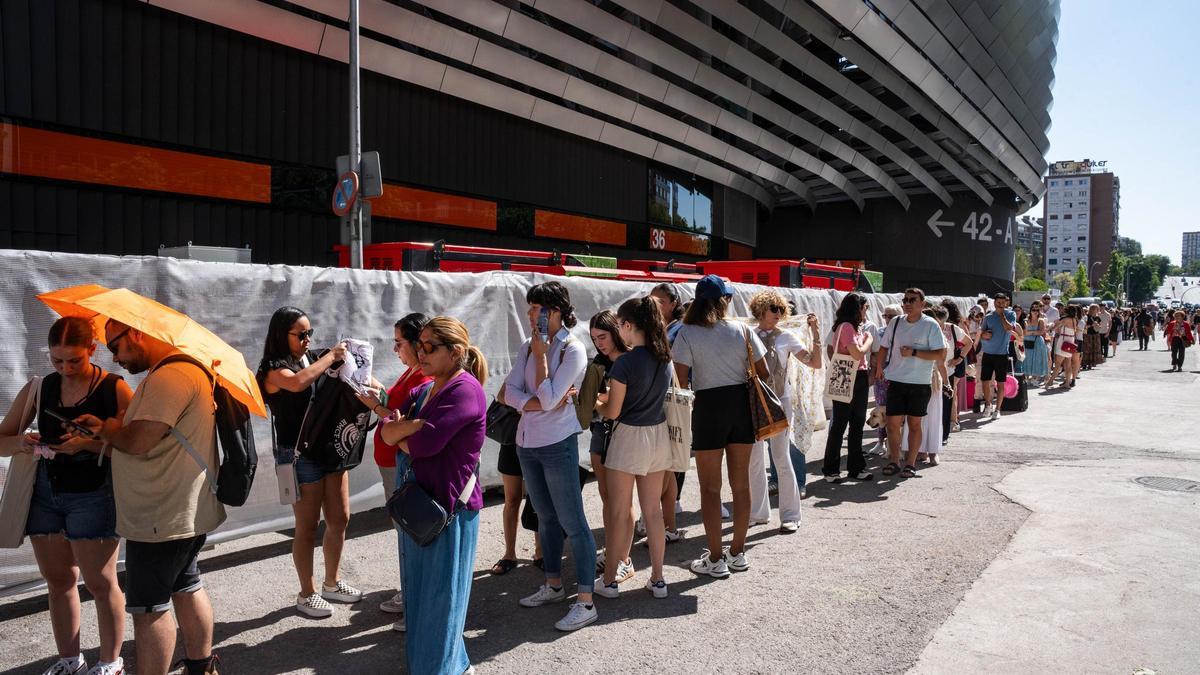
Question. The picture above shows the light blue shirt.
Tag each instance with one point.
(566, 362)
(925, 334)
(998, 343)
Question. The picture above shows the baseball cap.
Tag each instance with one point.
(712, 287)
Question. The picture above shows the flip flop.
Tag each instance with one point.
(891, 469)
(503, 566)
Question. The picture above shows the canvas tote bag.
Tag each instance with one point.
(678, 407)
(840, 373)
(22, 472)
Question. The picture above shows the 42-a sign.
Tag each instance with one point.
(979, 226)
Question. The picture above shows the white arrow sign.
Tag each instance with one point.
(936, 225)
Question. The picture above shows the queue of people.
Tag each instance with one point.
(130, 475)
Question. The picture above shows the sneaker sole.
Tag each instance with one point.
(344, 599)
(315, 613)
(715, 575)
(541, 604)
(391, 609)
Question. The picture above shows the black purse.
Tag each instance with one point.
(501, 423)
(420, 515)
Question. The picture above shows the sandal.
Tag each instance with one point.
(909, 471)
(503, 566)
(891, 469)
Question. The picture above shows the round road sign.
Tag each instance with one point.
(345, 193)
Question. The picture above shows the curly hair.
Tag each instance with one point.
(764, 299)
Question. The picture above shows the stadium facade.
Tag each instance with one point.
(906, 135)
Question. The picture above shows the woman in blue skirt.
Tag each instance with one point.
(442, 434)
(1037, 351)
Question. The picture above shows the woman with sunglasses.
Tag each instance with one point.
(442, 435)
(286, 375)
(1037, 354)
(406, 332)
(72, 517)
(770, 308)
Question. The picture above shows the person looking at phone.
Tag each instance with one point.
(165, 507)
(549, 370)
(72, 517)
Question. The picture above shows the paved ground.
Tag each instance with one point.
(1029, 548)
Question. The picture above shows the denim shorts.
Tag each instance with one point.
(307, 471)
(76, 515)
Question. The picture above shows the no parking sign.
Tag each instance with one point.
(345, 193)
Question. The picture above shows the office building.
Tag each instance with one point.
(1191, 248)
(1031, 238)
(1082, 214)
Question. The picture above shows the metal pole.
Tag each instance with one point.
(356, 225)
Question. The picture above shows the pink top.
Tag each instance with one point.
(847, 335)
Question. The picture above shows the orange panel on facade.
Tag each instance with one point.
(578, 228)
(51, 154)
(424, 206)
(682, 242)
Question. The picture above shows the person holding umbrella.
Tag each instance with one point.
(166, 503)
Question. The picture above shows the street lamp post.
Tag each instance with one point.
(1091, 277)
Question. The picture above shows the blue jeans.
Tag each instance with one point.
(552, 481)
(437, 582)
(797, 464)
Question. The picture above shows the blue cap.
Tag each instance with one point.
(712, 287)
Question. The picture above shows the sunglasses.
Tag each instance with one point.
(113, 343)
(429, 347)
(304, 334)
(776, 308)
(909, 301)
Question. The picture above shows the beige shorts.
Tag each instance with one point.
(644, 450)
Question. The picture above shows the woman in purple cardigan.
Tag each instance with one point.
(442, 435)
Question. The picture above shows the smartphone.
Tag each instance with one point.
(543, 324)
(84, 431)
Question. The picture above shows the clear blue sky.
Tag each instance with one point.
(1127, 89)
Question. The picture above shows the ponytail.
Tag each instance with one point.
(644, 315)
(476, 364)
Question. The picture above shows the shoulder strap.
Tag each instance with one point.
(895, 326)
(749, 353)
(187, 446)
(33, 401)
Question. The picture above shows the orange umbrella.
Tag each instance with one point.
(100, 304)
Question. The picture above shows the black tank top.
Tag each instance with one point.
(288, 407)
(80, 472)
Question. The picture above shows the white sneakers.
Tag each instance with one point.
(604, 590)
(996, 413)
(789, 527)
(625, 570)
(393, 605)
(713, 568)
(658, 588)
(544, 596)
(992, 412)
(314, 606)
(736, 563)
(341, 592)
(114, 668)
(577, 617)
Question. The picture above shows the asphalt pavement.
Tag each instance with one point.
(1040, 542)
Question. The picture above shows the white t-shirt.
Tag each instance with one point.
(786, 343)
(1051, 314)
(958, 334)
(924, 334)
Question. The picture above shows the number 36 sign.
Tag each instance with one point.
(978, 226)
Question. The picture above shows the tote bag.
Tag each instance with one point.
(678, 407)
(22, 472)
(840, 373)
(766, 410)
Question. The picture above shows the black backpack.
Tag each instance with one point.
(335, 427)
(239, 459)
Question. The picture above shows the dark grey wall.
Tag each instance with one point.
(901, 244)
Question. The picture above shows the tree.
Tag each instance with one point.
(1143, 281)
(1083, 285)
(1032, 284)
(1161, 264)
(1064, 282)
(1023, 268)
(1193, 268)
(1114, 276)
(1130, 248)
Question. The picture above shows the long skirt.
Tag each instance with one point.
(931, 427)
(1091, 350)
(437, 588)
(1037, 360)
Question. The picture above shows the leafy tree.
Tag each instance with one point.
(1193, 268)
(1114, 276)
(1064, 282)
(1130, 248)
(1032, 284)
(1161, 264)
(1021, 265)
(1083, 286)
(1143, 281)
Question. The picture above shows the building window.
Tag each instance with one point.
(1055, 238)
(1066, 216)
(1054, 261)
(1083, 193)
(1083, 237)
(1081, 216)
(1066, 182)
(1053, 183)
(1053, 249)
(1053, 216)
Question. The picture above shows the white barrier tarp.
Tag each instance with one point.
(236, 301)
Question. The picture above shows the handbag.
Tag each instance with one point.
(501, 421)
(22, 474)
(766, 410)
(841, 373)
(678, 407)
(420, 515)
